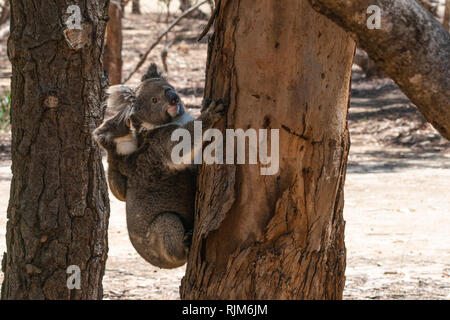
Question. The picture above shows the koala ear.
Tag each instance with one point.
(152, 73)
(120, 97)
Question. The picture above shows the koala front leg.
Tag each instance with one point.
(113, 136)
(209, 116)
(104, 138)
(116, 136)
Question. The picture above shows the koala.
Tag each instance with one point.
(159, 194)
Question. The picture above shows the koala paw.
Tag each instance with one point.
(214, 110)
(110, 130)
(101, 137)
(205, 104)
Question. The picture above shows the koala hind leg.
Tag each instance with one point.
(164, 243)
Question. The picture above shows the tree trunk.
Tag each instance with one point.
(135, 7)
(5, 13)
(112, 58)
(59, 208)
(446, 22)
(197, 14)
(185, 4)
(280, 66)
(412, 48)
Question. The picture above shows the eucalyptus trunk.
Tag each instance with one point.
(280, 65)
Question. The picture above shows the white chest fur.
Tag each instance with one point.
(126, 145)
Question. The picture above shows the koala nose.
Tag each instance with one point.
(173, 97)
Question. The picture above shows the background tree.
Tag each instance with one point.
(280, 236)
(369, 66)
(167, 4)
(4, 12)
(112, 58)
(185, 4)
(4, 19)
(446, 22)
(412, 48)
(198, 14)
(136, 7)
(59, 207)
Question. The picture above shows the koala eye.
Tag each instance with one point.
(155, 100)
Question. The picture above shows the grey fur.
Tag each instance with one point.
(159, 195)
(152, 73)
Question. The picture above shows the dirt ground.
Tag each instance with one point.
(397, 201)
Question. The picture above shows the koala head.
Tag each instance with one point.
(152, 103)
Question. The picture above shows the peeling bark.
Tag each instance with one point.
(280, 66)
(411, 47)
(58, 209)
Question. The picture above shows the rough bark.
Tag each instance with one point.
(58, 208)
(280, 66)
(112, 58)
(411, 47)
(135, 7)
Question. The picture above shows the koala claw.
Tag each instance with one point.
(215, 110)
(100, 137)
(205, 104)
(188, 238)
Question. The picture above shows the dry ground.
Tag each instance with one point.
(397, 190)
